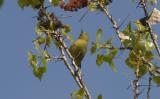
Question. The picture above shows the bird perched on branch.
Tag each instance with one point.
(79, 48)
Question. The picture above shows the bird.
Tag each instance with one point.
(79, 48)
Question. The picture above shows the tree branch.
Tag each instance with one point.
(149, 27)
(77, 76)
(114, 23)
(44, 17)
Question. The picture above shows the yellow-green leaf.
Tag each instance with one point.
(93, 48)
(35, 4)
(99, 97)
(99, 35)
(92, 6)
(100, 59)
(109, 41)
(49, 40)
(1, 3)
(78, 94)
(109, 59)
(39, 29)
(66, 29)
(23, 3)
(156, 79)
(32, 59)
(54, 2)
(153, 2)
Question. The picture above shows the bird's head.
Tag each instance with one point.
(84, 36)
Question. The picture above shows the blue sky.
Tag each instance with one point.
(16, 78)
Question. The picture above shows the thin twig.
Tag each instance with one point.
(112, 47)
(149, 88)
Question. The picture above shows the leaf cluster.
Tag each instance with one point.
(106, 56)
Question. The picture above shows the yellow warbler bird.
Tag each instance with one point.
(79, 48)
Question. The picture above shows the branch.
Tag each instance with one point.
(136, 82)
(112, 48)
(114, 23)
(76, 72)
(135, 87)
(137, 73)
(77, 76)
(46, 17)
(68, 66)
(149, 27)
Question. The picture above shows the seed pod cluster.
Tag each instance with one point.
(73, 5)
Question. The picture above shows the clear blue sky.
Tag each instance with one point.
(16, 78)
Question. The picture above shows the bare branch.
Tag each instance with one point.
(114, 23)
(136, 82)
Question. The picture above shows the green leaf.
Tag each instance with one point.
(92, 6)
(49, 40)
(127, 43)
(131, 63)
(99, 97)
(57, 43)
(100, 59)
(32, 59)
(93, 49)
(46, 54)
(39, 29)
(142, 70)
(1, 3)
(128, 30)
(23, 3)
(39, 71)
(113, 53)
(55, 2)
(106, 2)
(99, 35)
(156, 79)
(35, 4)
(148, 55)
(149, 46)
(37, 46)
(144, 45)
(66, 29)
(109, 59)
(109, 41)
(153, 2)
(44, 64)
(78, 94)
(40, 40)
